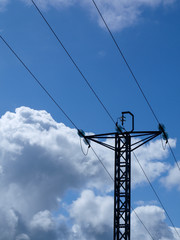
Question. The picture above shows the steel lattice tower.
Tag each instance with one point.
(125, 143)
(122, 187)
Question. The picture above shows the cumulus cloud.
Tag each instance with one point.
(151, 157)
(93, 215)
(40, 162)
(93, 219)
(153, 218)
(173, 177)
(43, 220)
(41, 159)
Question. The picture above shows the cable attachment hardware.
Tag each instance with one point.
(123, 119)
(81, 134)
(162, 128)
(119, 128)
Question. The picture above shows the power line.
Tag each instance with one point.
(128, 66)
(87, 82)
(142, 223)
(73, 61)
(141, 90)
(174, 156)
(60, 108)
(52, 98)
(102, 164)
(133, 75)
(40, 84)
(156, 194)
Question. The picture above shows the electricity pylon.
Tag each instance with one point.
(125, 143)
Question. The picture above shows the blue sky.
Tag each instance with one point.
(149, 35)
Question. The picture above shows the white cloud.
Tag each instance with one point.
(8, 223)
(86, 208)
(36, 154)
(118, 14)
(22, 237)
(151, 157)
(43, 220)
(144, 203)
(124, 13)
(93, 214)
(176, 237)
(40, 161)
(153, 218)
(173, 177)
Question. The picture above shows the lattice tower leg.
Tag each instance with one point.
(122, 187)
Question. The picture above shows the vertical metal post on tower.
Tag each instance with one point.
(122, 187)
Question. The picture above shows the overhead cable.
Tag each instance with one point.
(40, 84)
(60, 108)
(75, 64)
(73, 61)
(51, 97)
(133, 75)
(156, 194)
(102, 164)
(142, 223)
(128, 66)
(175, 159)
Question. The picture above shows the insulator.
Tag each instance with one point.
(87, 142)
(81, 133)
(119, 129)
(164, 133)
(161, 127)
